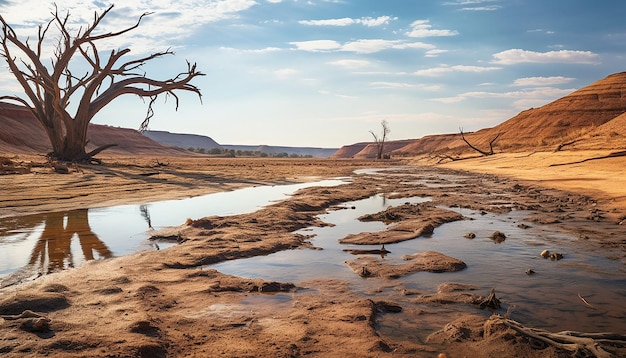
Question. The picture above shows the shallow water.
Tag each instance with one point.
(35, 245)
(547, 299)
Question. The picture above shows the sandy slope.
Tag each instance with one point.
(604, 179)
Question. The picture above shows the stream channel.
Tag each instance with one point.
(35, 245)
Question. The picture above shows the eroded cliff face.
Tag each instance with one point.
(584, 117)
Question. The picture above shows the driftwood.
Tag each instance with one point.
(490, 152)
(585, 302)
(579, 344)
(560, 146)
(490, 301)
(610, 155)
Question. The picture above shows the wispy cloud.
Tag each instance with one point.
(284, 73)
(515, 56)
(541, 81)
(423, 28)
(475, 5)
(329, 93)
(543, 31)
(388, 85)
(161, 29)
(253, 51)
(350, 63)
(363, 46)
(346, 21)
(522, 99)
(376, 45)
(435, 52)
(436, 71)
(317, 45)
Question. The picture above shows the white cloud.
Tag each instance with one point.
(370, 46)
(329, 93)
(350, 63)
(362, 46)
(371, 22)
(482, 8)
(317, 45)
(417, 45)
(158, 31)
(542, 31)
(254, 51)
(436, 71)
(515, 56)
(541, 81)
(522, 99)
(475, 5)
(285, 73)
(331, 22)
(423, 28)
(434, 52)
(346, 21)
(387, 85)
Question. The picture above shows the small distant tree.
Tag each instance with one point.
(50, 83)
(379, 140)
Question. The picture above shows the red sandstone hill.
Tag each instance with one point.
(584, 118)
(21, 133)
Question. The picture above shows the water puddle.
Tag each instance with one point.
(35, 245)
(299, 265)
(548, 299)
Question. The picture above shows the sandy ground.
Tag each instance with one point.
(603, 179)
(164, 304)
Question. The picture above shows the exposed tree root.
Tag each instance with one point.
(490, 301)
(579, 344)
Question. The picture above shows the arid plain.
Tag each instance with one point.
(158, 303)
(526, 246)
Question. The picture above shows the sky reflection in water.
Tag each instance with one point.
(35, 245)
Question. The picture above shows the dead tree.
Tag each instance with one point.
(490, 152)
(380, 140)
(49, 89)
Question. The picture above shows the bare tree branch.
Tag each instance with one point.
(380, 140)
(49, 89)
(491, 142)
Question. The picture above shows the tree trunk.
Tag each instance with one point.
(68, 142)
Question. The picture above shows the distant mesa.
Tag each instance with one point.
(593, 117)
(589, 118)
(21, 133)
(199, 141)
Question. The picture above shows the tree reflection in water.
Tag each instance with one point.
(53, 249)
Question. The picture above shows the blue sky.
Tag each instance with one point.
(324, 73)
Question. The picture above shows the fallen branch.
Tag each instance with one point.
(490, 152)
(560, 146)
(610, 155)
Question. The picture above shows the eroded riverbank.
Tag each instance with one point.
(171, 303)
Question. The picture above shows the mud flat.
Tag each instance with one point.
(172, 303)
